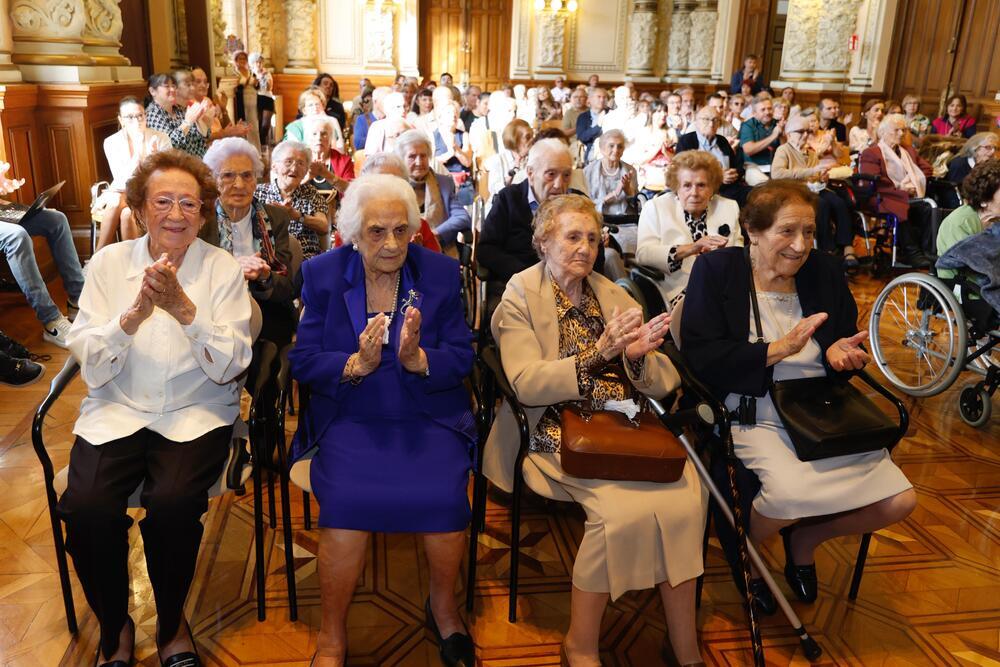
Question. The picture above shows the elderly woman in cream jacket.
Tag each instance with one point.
(569, 335)
(692, 219)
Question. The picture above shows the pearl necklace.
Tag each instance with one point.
(395, 299)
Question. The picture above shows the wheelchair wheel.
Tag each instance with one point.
(918, 334)
(974, 405)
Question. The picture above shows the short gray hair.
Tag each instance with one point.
(760, 98)
(410, 137)
(309, 122)
(545, 148)
(385, 163)
(278, 154)
(975, 141)
(893, 119)
(613, 133)
(367, 190)
(223, 149)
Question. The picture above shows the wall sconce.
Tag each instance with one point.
(556, 5)
(389, 5)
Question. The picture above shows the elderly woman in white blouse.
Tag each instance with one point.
(612, 183)
(693, 219)
(162, 334)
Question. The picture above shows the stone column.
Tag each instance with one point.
(9, 73)
(870, 61)
(179, 48)
(642, 29)
(702, 39)
(48, 41)
(816, 51)
(680, 37)
(259, 18)
(218, 35)
(550, 39)
(725, 40)
(102, 33)
(520, 46)
(380, 37)
(300, 31)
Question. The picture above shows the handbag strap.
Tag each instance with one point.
(753, 297)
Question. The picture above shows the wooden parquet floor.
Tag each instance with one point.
(930, 595)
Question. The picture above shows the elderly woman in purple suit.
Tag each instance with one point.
(384, 348)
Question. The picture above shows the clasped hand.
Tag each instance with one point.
(411, 356)
(254, 267)
(160, 287)
(625, 332)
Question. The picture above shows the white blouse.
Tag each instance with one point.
(176, 380)
(124, 159)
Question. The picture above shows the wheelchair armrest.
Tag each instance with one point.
(56, 388)
(691, 383)
(648, 272)
(904, 415)
(620, 220)
(924, 200)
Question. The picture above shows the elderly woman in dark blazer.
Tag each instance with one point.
(809, 322)
(383, 347)
(569, 335)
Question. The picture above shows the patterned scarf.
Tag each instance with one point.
(263, 236)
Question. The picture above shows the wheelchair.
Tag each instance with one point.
(925, 331)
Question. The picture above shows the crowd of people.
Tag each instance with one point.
(208, 221)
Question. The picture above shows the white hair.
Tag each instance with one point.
(223, 149)
(287, 146)
(889, 123)
(310, 122)
(547, 148)
(371, 189)
(255, 57)
(410, 137)
(385, 163)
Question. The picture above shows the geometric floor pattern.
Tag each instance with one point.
(930, 594)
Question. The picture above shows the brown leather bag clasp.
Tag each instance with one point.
(603, 444)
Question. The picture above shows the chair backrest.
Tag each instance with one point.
(675, 323)
(256, 319)
(296, 263)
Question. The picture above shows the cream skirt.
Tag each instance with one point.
(637, 534)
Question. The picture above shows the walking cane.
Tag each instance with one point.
(748, 554)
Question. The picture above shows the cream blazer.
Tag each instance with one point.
(662, 226)
(526, 328)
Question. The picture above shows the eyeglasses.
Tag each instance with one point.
(134, 116)
(188, 207)
(229, 177)
(289, 163)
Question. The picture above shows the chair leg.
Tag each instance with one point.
(64, 582)
(270, 500)
(700, 585)
(306, 511)
(515, 549)
(286, 528)
(258, 529)
(859, 566)
(478, 510)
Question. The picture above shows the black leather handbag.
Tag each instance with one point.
(826, 417)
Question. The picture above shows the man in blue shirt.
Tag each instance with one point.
(588, 124)
(750, 73)
(760, 136)
(365, 120)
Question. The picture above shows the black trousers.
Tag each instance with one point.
(834, 227)
(176, 477)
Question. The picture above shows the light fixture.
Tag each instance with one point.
(556, 5)
(539, 5)
(571, 5)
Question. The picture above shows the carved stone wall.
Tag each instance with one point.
(551, 36)
(702, 40)
(301, 33)
(680, 33)
(179, 48)
(642, 35)
(102, 32)
(45, 28)
(836, 25)
(379, 36)
(817, 33)
(259, 19)
(218, 33)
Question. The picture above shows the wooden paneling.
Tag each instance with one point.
(446, 25)
(977, 65)
(752, 34)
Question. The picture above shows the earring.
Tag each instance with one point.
(354, 245)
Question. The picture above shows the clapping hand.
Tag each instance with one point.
(254, 267)
(161, 286)
(369, 353)
(710, 242)
(796, 339)
(847, 354)
(8, 185)
(411, 355)
(622, 330)
(137, 313)
(730, 176)
(193, 113)
(651, 335)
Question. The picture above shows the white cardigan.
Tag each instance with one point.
(123, 161)
(662, 226)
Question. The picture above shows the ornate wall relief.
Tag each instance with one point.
(642, 42)
(301, 33)
(798, 54)
(680, 35)
(702, 40)
(63, 19)
(836, 25)
(379, 35)
(551, 35)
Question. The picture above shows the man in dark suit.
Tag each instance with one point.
(588, 124)
(706, 138)
(829, 110)
(750, 74)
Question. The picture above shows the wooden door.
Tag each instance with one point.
(752, 35)
(468, 38)
(135, 35)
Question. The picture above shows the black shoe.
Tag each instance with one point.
(457, 650)
(185, 658)
(914, 258)
(118, 663)
(763, 598)
(801, 578)
(13, 348)
(19, 372)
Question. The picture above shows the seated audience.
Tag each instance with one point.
(688, 107)
(865, 133)
(333, 107)
(675, 228)
(760, 135)
(447, 81)
(619, 117)
(436, 199)
(981, 147)
(652, 150)
(421, 113)
(452, 151)
(389, 416)
(956, 122)
(612, 184)
(255, 233)
(809, 328)
(312, 103)
(382, 133)
(330, 169)
(570, 336)
(560, 91)
(788, 97)
(918, 124)
(179, 124)
(705, 137)
(215, 122)
(505, 245)
(17, 367)
(830, 151)
(125, 149)
(507, 166)
(981, 190)
(548, 107)
(902, 175)
(829, 119)
(163, 333)
(796, 160)
(19, 251)
(588, 123)
(485, 134)
(305, 205)
(750, 74)
(365, 120)
(571, 113)
(734, 116)
(470, 108)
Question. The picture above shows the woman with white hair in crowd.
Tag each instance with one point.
(384, 347)
(307, 208)
(612, 183)
(330, 169)
(382, 133)
(979, 148)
